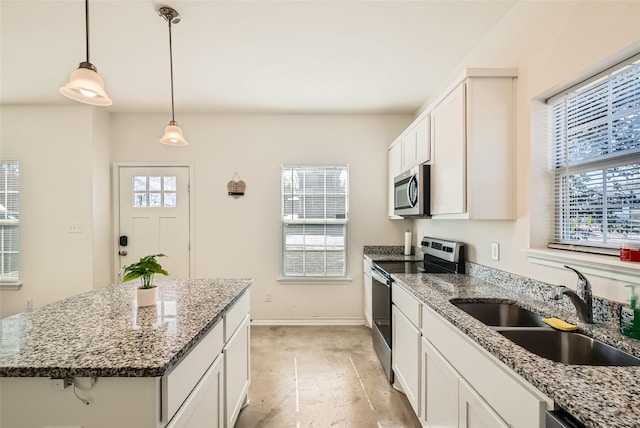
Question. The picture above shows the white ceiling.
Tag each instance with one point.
(243, 56)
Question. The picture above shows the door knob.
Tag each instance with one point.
(122, 252)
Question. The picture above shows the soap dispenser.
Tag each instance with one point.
(630, 317)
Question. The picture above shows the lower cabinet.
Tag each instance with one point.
(405, 359)
(490, 394)
(205, 405)
(473, 411)
(440, 389)
(448, 400)
(451, 381)
(237, 371)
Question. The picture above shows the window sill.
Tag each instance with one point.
(311, 281)
(10, 286)
(594, 264)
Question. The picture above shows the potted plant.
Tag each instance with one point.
(145, 269)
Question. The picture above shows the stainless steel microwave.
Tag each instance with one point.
(412, 190)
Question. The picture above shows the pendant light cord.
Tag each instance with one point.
(86, 20)
(173, 119)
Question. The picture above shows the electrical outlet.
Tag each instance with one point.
(59, 384)
(268, 297)
(29, 304)
(495, 251)
(74, 227)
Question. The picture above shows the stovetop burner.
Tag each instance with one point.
(440, 256)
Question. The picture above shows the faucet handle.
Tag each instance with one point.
(557, 292)
(584, 286)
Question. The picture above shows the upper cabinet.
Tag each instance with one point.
(394, 169)
(411, 148)
(416, 147)
(473, 161)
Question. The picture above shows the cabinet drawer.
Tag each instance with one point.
(178, 384)
(409, 305)
(235, 315)
(514, 399)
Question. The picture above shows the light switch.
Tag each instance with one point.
(74, 227)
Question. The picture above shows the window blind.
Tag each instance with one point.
(9, 222)
(314, 220)
(596, 130)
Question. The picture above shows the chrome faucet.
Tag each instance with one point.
(582, 298)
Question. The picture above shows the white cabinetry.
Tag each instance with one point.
(448, 188)
(405, 336)
(205, 406)
(489, 393)
(368, 283)
(472, 133)
(440, 389)
(411, 148)
(394, 169)
(474, 412)
(416, 148)
(236, 359)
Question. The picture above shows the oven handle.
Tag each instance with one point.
(380, 278)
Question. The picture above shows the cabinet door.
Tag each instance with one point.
(440, 386)
(409, 149)
(394, 169)
(423, 140)
(405, 358)
(237, 371)
(474, 412)
(448, 171)
(205, 405)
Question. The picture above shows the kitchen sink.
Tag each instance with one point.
(569, 347)
(500, 314)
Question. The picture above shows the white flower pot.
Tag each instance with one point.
(147, 296)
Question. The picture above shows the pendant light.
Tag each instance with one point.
(85, 85)
(172, 133)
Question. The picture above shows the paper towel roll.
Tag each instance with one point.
(407, 243)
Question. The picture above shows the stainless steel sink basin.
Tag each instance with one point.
(500, 314)
(569, 348)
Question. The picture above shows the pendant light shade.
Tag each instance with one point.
(85, 85)
(173, 135)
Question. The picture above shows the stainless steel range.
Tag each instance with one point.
(440, 256)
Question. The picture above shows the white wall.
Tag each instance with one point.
(241, 237)
(550, 43)
(55, 147)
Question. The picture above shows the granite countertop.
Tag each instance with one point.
(597, 396)
(103, 332)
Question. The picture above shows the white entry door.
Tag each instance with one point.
(154, 216)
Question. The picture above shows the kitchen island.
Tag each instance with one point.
(97, 360)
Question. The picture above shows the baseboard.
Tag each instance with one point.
(307, 321)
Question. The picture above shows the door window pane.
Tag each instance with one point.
(170, 183)
(155, 191)
(139, 184)
(155, 184)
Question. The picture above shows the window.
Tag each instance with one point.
(154, 191)
(596, 129)
(315, 206)
(9, 222)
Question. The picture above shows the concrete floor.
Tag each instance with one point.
(320, 377)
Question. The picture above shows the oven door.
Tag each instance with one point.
(381, 315)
